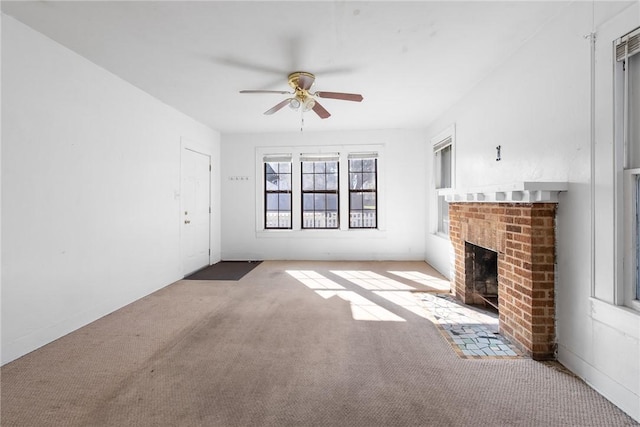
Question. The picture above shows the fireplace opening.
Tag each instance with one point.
(481, 276)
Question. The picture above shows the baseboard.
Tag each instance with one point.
(613, 391)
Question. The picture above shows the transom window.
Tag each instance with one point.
(320, 191)
(363, 192)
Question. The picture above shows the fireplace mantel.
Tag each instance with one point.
(517, 192)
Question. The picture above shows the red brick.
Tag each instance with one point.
(514, 228)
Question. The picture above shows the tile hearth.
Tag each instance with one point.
(472, 333)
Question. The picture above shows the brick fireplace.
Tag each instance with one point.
(518, 226)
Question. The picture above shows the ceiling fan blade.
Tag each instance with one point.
(339, 95)
(320, 111)
(281, 92)
(278, 106)
(305, 81)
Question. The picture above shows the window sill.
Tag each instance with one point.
(372, 233)
(441, 235)
(621, 318)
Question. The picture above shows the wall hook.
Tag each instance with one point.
(498, 155)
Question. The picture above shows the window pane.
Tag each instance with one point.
(369, 165)
(332, 219)
(362, 204)
(355, 165)
(320, 183)
(318, 179)
(445, 169)
(271, 181)
(443, 215)
(437, 168)
(366, 218)
(637, 225)
(355, 181)
(307, 167)
(271, 167)
(277, 186)
(284, 182)
(634, 110)
(284, 167)
(284, 202)
(319, 202)
(271, 220)
(284, 220)
(369, 181)
(369, 200)
(272, 201)
(332, 202)
(307, 202)
(332, 182)
(307, 182)
(356, 201)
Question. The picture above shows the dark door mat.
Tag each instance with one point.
(224, 270)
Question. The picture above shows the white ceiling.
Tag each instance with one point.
(410, 60)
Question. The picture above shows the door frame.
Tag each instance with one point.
(200, 148)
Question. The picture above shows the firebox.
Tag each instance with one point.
(481, 276)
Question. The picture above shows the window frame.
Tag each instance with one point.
(439, 143)
(267, 192)
(314, 192)
(296, 153)
(626, 179)
(374, 191)
(631, 250)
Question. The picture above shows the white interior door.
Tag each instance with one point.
(196, 210)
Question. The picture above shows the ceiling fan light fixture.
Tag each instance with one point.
(294, 103)
(309, 103)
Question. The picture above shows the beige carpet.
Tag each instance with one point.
(270, 350)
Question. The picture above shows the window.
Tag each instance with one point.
(310, 192)
(627, 160)
(443, 177)
(363, 191)
(320, 192)
(636, 224)
(277, 193)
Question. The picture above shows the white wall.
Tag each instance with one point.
(90, 191)
(537, 107)
(401, 200)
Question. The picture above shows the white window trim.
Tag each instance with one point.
(629, 252)
(625, 202)
(437, 144)
(296, 153)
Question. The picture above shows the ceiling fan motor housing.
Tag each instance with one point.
(300, 79)
(301, 82)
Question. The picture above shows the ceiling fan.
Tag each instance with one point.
(304, 100)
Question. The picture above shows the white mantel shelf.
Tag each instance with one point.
(517, 192)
